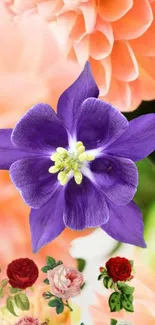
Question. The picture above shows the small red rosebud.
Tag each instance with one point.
(131, 277)
(101, 269)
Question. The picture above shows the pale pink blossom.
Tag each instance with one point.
(65, 282)
(117, 36)
(28, 321)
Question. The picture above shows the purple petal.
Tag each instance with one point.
(125, 224)
(99, 124)
(32, 179)
(8, 152)
(117, 177)
(47, 223)
(85, 206)
(70, 101)
(138, 141)
(40, 130)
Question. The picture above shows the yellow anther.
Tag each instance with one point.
(55, 156)
(53, 169)
(64, 180)
(62, 150)
(80, 149)
(78, 177)
(83, 156)
(90, 157)
(61, 175)
(79, 144)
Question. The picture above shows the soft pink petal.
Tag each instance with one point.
(82, 50)
(79, 30)
(102, 74)
(89, 13)
(47, 8)
(147, 77)
(136, 94)
(135, 22)
(119, 95)
(101, 40)
(145, 44)
(113, 10)
(124, 63)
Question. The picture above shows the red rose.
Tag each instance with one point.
(22, 273)
(118, 268)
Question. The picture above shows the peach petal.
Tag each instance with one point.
(124, 63)
(79, 30)
(101, 40)
(147, 77)
(145, 44)
(89, 13)
(129, 26)
(82, 50)
(48, 8)
(63, 28)
(123, 99)
(20, 6)
(114, 10)
(102, 74)
(136, 94)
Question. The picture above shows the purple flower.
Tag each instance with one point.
(76, 168)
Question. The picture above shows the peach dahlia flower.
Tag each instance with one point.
(118, 37)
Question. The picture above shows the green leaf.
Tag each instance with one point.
(83, 285)
(100, 277)
(59, 263)
(130, 297)
(125, 288)
(115, 302)
(22, 301)
(14, 290)
(46, 281)
(53, 302)
(113, 322)
(59, 308)
(1, 293)
(131, 263)
(45, 268)
(108, 282)
(4, 283)
(127, 304)
(10, 305)
(51, 262)
(81, 263)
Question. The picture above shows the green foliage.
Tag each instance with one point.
(125, 288)
(10, 305)
(46, 281)
(115, 302)
(81, 263)
(14, 290)
(1, 293)
(51, 263)
(4, 283)
(108, 282)
(58, 304)
(21, 301)
(113, 322)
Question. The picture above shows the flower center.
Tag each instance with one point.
(69, 163)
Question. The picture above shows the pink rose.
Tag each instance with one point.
(65, 282)
(28, 321)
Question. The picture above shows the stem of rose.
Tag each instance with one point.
(67, 305)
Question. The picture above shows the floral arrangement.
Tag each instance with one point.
(115, 275)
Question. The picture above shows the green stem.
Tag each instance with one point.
(67, 305)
